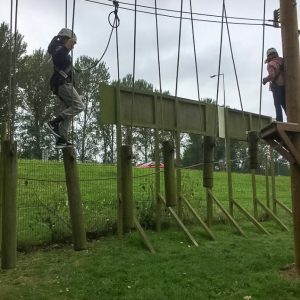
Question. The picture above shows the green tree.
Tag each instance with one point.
(7, 56)
(90, 135)
(36, 106)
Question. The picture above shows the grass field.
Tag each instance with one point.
(43, 215)
(232, 267)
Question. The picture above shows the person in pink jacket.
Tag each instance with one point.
(276, 79)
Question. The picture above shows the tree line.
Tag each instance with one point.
(34, 104)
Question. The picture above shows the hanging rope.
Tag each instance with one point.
(72, 55)
(66, 14)
(159, 69)
(10, 71)
(219, 67)
(262, 62)
(233, 60)
(12, 68)
(114, 25)
(179, 47)
(195, 53)
(133, 72)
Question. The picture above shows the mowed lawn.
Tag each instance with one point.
(233, 267)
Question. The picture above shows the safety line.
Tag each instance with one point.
(187, 18)
(133, 73)
(219, 68)
(159, 69)
(262, 65)
(195, 53)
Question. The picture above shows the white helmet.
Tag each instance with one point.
(271, 51)
(68, 33)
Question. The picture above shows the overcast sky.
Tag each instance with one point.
(40, 20)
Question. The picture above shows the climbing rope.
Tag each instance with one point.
(262, 62)
(12, 70)
(195, 53)
(159, 69)
(219, 67)
(133, 74)
(114, 25)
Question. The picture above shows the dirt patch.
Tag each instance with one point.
(289, 272)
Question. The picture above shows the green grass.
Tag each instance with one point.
(230, 268)
(43, 215)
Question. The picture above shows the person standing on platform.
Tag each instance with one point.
(276, 78)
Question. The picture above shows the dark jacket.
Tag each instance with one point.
(62, 62)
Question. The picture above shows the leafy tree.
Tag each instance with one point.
(90, 134)
(7, 56)
(36, 106)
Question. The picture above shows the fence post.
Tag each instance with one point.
(169, 173)
(75, 205)
(9, 209)
(127, 190)
(208, 169)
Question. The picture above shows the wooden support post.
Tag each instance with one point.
(178, 174)
(267, 184)
(179, 222)
(254, 194)
(157, 183)
(272, 215)
(251, 219)
(253, 149)
(158, 205)
(231, 220)
(74, 198)
(127, 189)
(228, 164)
(9, 209)
(198, 218)
(143, 235)
(273, 185)
(208, 168)
(169, 172)
(120, 229)
(290, 45)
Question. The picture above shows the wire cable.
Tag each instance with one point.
(194, 46)
(262, 64)
(186, 18)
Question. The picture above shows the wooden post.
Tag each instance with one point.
(253, 149)
(120, 229)
(158, 204)
(75, 206)
(9, 209)
(178, 174)
(228, 164)
(208, 169)
(127, 192)
(273, 181)
(170, 182)
(290, 45)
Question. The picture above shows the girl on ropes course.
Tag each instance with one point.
(62, 85)
(276, 79)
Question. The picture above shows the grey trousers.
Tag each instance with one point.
(69, 104)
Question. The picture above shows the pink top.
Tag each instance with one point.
(275, 70)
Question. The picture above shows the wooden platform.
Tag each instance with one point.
(280, 136)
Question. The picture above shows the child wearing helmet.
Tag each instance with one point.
(62, 85)
(276, 79)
